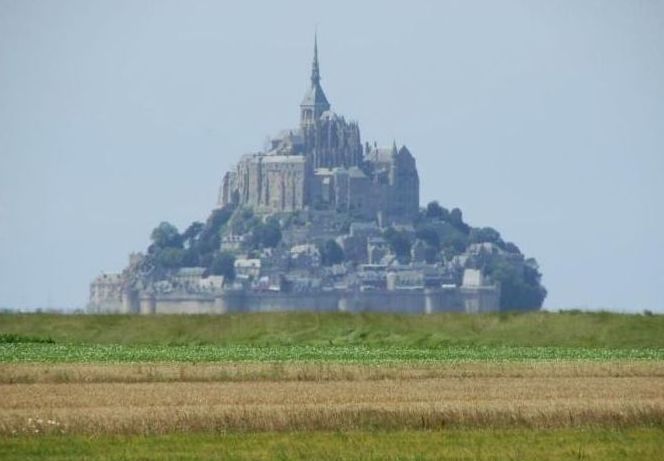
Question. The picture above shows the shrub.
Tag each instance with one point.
(11, 338)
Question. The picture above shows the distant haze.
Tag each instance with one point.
(542, 119)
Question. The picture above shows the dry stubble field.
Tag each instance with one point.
(160, 399)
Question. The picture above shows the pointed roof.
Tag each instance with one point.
(404, 152)
(315, 96)
(315, 70)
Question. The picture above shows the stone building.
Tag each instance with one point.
(322, 164)
(107, 289)
(333, 187)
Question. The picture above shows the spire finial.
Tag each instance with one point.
(315, 71)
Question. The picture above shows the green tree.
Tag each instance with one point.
(436, 212)
(190, 258)
(485, 234)
(453, 244)
(223, 264)
(166, 235)
(331, 253)
(266, 235)
(456, 219)
(431, 254)
(196, 246)
(190, 236)
(512, 248)
(399, 243)
(243, 221)
(520, 282)
(209, 239)
(169, 257)
(428, 234)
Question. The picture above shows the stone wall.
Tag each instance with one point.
(268, 183)
(187, 305)
(333, 142)
(470, 300)
(283, 183)
(279, 302)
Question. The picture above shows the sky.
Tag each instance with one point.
(542, 119)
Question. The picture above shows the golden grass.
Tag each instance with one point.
(158, 399)
(312, 371)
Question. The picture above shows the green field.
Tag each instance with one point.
(337, 386)
(373, 355)
(345, 338)
(570, 329)
(633, 444)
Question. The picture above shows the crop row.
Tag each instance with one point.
(34, 352)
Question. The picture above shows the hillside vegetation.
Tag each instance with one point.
(441, 234)
(567, 329)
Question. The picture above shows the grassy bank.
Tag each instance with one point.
(572, 329)
(554, 445)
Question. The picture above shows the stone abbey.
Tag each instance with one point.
(322, 165)
(318, 221)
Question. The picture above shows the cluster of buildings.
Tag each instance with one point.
(340, 190)
(323, 165)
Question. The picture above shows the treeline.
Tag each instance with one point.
(197, 246)
(446, 234)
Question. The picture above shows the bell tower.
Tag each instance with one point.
(314, 102)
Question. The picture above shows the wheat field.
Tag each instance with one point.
(332, 387)
(159, 399)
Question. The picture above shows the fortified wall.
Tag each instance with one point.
(428, 301)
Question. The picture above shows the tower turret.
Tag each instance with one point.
(314, 102)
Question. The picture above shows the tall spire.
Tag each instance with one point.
(315, 71)
(314, 102)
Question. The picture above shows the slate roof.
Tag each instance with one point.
(315, 96)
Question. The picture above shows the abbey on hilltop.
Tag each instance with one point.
(320, 221)
(322, 164)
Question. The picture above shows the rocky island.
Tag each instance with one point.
(320, 221)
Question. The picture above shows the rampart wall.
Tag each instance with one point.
(471, 300)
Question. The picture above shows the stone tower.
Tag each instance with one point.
(329, 140)
(314, 102)
(322, 165)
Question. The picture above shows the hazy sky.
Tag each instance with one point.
(543, 119)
